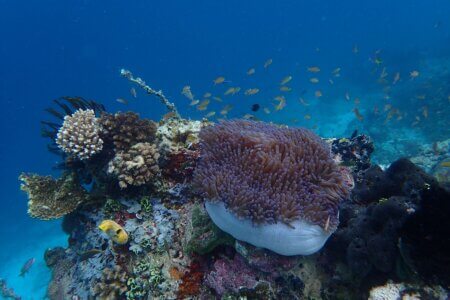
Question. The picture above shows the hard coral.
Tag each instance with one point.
(51, 198)
(127, 129)
(137, 166)
(80, 134)
(270, 174)
(112, 285)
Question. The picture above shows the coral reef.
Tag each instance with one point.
(113, 284)
(51, 198)
(7, 292)
(79, 134)
(137, 166)
(270, 174)
(126, 129)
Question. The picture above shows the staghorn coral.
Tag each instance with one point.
(80, 134)
(51, 198)
(270, 174)
(126, 129)
(137, 166)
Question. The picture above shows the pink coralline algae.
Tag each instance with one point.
(270, 174)
(231, 275)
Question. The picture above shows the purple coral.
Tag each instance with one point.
(269, 174)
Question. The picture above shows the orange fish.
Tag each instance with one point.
(318, 94)
(314, 69)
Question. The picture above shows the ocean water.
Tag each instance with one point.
(53, 48)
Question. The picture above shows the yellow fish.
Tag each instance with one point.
(318, 94)
(314, 69)
(285, 88)
(218, 99)
(286, 80)
(314, 80)
(207, 95)
(114, 231)
(203, 105)
(268, 63)
(219, 80)
(251, 71)
(307, 117)
(445, 164)
(281, 103)
(250, 92)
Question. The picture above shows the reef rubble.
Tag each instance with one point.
(392, 237)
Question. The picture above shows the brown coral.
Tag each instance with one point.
(113, 284)
(127, 129)
(51, 198)
(80, 134)
(137, 166)
(269, 174)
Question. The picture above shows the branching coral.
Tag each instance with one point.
(270, 174)
(127, 129)
(137, 166)
(50, 198)
(80, 134)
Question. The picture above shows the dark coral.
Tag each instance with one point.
(425, 237)
(127, 129)
(51, 198)
(269, 174)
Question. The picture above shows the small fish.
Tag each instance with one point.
(121, 100)
(286, 80)
(318, 94)
(414, 74)
(232, 91)
(26, 267)
(250, 92)
(249, 117)
(314, 80)
(314, 69)
(133, 92)
(226, 109)
(357, 101)
(281, 103)
(251, 71)
(425, 112)
(207, 95)
(194, 102)
(268, 63)
(285, 88)
(89, 254)
(307, 117)
(203, 105)
(303, 102)
(218, 99)
(186, 91)
(219, 80)
(347, 96)
(355, 49)
(387, 107)
(396, 78)
(358, 114)
(336, 71)
(266, 110)
(378, 61)
(166, 117)
(383, 74)
(255, 107)
(210, 114)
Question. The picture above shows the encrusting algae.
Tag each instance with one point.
(114, 231)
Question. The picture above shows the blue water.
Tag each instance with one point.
(55, 48)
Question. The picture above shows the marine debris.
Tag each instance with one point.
(157, 203)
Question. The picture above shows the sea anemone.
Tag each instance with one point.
(274, 187)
